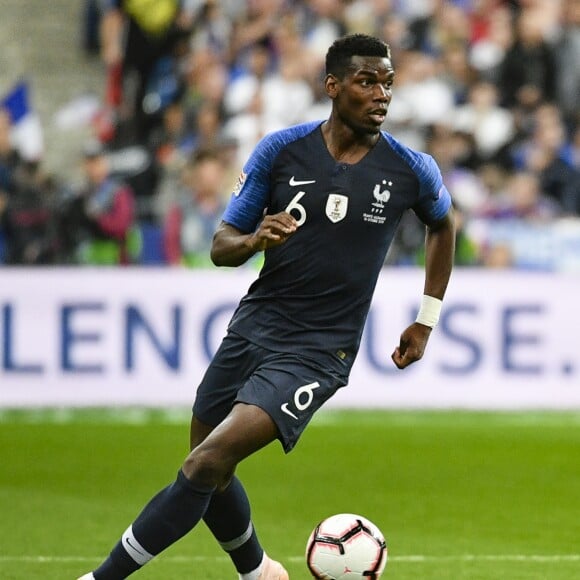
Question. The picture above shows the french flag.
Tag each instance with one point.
(26, 132)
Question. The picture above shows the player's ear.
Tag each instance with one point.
(331, 85)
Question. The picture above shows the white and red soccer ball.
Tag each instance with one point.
(346, 547)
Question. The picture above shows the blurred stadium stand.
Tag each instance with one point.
(45, 47)
(505, 136)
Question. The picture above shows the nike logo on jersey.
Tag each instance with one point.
(294, 182)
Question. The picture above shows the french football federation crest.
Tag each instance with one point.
(381, 196)
(336, 207)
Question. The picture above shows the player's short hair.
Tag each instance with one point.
(340, 53)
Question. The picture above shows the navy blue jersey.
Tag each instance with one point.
(314, 291)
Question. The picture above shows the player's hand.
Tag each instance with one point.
(273, 231)
(411, 345)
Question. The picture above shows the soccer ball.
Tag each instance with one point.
(345, 547)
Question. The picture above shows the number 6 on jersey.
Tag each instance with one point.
(298, 207)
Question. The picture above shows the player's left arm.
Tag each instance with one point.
(440, 249)
(434, 208)
(439, 253)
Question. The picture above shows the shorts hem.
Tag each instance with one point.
(287, 443)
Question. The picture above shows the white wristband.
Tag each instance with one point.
(429, 311)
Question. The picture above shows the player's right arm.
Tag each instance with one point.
(246, 228)
(232, 247)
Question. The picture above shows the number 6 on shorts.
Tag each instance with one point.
(301, 406)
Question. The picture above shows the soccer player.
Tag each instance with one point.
(322, 200)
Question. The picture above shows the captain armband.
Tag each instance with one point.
(429, 311)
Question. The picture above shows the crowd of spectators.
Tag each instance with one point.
(490, 88)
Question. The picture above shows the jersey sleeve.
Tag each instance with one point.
(434, 198)
(250, 197)
(252, 193)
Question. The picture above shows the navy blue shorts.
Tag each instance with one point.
(289, 388)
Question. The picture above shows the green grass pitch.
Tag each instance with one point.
(458, 495)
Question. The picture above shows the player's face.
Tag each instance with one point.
(362, 97)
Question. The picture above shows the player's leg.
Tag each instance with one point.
(174, 511)
(228, 514)
(228, 517)
(290, 392)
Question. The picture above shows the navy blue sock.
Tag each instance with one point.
(171, 514)
(228, 517)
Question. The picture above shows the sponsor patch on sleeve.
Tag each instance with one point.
(239, 183)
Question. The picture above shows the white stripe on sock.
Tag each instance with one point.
(134, 548)
(239, 541)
